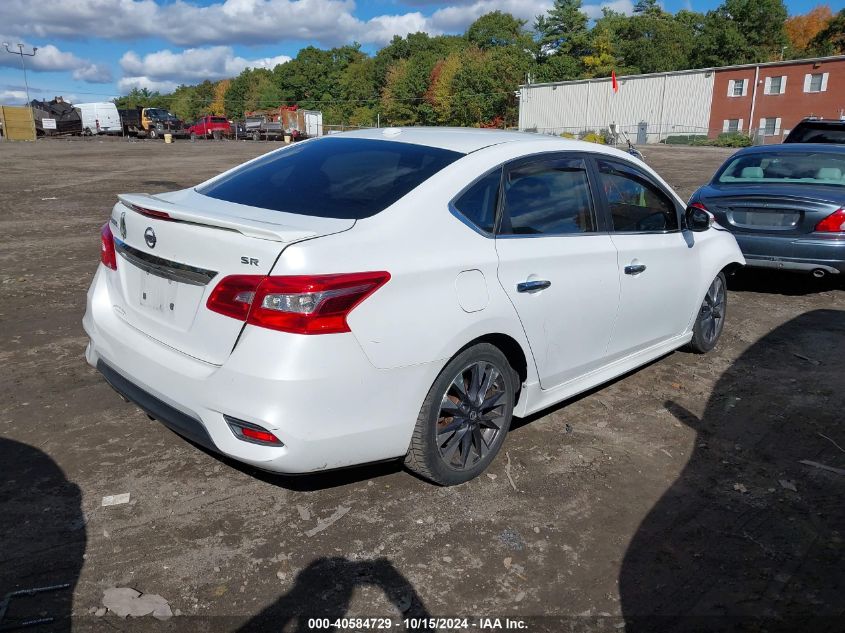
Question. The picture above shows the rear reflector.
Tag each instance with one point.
(252, 433)
(834, 223)
(108, 256)
(303, 304)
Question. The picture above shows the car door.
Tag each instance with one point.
(658, 265)
(557, 264)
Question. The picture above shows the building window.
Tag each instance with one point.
(816, 82)
(731, 125)
(775, 85)
(770, 126)
(738, 88)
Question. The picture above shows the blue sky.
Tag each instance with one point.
(92, 50)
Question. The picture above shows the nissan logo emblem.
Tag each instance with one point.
(150, 237)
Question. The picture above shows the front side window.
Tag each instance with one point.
(344, 178)
(478, 203)
(636, 205)
(548, 198)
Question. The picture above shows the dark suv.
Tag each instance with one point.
(818, 131)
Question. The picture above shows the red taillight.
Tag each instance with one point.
(107, 253)
(834, 223)
(304, 304)
(233, 295)
(699, 205)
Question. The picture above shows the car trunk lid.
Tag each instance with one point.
(766, 210)
(174, 248)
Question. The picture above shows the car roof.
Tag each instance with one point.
(465, 140)
(827, 148)
(821, 123)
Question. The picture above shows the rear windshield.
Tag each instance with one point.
(218, 119)
(809, 133)
(819, 168)
(332, 177)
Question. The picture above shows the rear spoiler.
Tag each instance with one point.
(154, 207)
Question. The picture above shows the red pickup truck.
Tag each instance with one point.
(214, 126)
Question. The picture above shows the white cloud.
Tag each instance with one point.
(48, 58)
(12, 97)
(164, 70)
(185, 23)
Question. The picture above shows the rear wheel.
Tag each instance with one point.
(464, 418)
(216, 135)
(711, 317)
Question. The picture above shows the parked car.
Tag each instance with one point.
(99, 118)
(398, 293)
(818, 131)
(785, 204)
(210, 126)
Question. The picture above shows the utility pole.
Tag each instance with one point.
(23, 65)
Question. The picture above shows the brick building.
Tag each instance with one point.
(763, 100)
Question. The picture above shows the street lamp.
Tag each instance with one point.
(23, 66)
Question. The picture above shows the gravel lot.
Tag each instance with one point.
(671, 499)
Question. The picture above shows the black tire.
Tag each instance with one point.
(707, 331)
(475, 437)
(153, 133)
(216, 135)
(193, 136)
(256, 136)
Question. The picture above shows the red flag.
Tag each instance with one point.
(613, 83)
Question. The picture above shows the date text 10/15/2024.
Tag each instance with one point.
(418, 624)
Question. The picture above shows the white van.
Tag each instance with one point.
(99, 118)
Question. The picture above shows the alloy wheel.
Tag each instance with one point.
(471, 416)
(713, 310)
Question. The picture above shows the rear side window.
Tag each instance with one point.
(548, 198)
(478, 203)
(636, 204)
(343, 178)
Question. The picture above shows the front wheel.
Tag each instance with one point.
(711, 317)
(464, 418)
(153, 133)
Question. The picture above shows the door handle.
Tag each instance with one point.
(634, 269)
(533, 286)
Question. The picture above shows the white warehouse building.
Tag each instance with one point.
(646, 107)
(765, 100)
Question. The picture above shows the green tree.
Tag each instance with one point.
(498, 29)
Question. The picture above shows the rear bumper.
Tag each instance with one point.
(319, 395)
(805, 254)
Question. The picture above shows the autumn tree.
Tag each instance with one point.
(218, 103)
(830, 40)
(801, 29)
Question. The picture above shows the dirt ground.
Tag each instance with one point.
(671, 499)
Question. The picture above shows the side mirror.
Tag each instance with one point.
(698, 219)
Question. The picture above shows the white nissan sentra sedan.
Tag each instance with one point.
(398, 293)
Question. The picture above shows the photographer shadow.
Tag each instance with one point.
(324, 590)
(748, 537)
